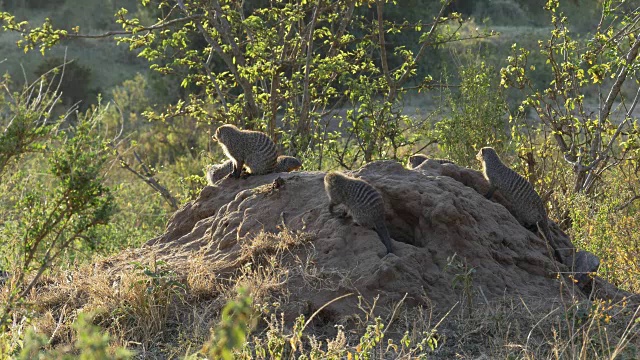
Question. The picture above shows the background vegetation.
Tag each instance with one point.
(107, 121)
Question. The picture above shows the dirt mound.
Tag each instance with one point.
(445, 234)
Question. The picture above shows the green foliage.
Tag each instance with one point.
(45, 220)
(286, 68)
(25, 120)
(607, 226)
(178, 138)
(476, 118)
(232, 339)
(328, 81)
(591, 142)
(91, 344)
(229, 337)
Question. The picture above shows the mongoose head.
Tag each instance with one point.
(289, 163)
(332, 178)
(224, 132)
(486, 152)
(416, 160)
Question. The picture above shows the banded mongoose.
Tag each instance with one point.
(217, 172)
(417, 159)
(286, 163)
(526, 204)
(252, 149)
(362, 200)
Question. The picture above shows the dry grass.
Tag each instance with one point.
(167, 310)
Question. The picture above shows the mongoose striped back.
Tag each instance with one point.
(362, 200)
(217, 172)
(527, 205)
(417, 159)
(245, 147)
(286, 163)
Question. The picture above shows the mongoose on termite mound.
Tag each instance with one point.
(417, 159)
(252, 149)
(527, 205)
(217, 172)
(286, 163)
(362, 200)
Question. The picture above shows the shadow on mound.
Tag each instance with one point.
(441, 226)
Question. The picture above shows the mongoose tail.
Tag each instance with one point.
(383, 233)
(543, 227)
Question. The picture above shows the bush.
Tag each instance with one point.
(50, 216)
(477, 116)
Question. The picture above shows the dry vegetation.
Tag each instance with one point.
(167, 310)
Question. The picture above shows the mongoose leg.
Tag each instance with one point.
(492, 189)
(384, 236)
(237, 169)
(331, 207)
(341, 215)
(245, 174)
(546, 234)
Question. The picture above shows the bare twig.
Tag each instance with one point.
(627, 203)
(303, 126)
(147, 176)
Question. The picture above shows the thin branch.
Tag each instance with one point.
(304, 116)
(622, 76)
(606, 109)
(382, 44)
(158, 26)
(346, 19)
(424, 45)
(147, 177)
(214, 81)
(627, 203)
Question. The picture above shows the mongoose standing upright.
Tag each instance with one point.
(286, 163)
(527, 205)
(417, 159)
(245, 147)
(362, 200)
